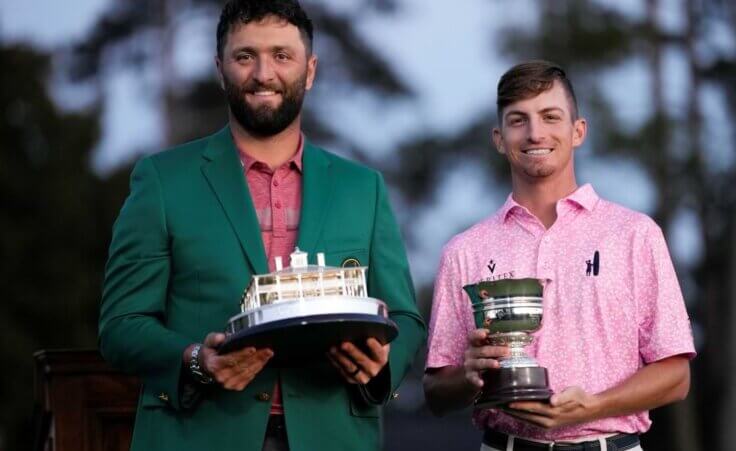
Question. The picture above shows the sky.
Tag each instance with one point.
(48, 22)
(454, 76)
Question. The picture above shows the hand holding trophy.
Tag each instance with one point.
(511, 309)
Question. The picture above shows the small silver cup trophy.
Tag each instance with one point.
(511, 309)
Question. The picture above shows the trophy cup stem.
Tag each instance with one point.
(517, 356)
(516, 350)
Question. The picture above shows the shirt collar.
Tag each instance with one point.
(584, 197)
(295, 161)
(509, 206)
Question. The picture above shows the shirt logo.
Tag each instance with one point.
(594, 265)
(491, 266)
(501, 275)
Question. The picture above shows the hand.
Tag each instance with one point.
(234, 370)
(571, 406)
(480, 356)
(356, 366)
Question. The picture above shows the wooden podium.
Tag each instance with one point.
(82, 404)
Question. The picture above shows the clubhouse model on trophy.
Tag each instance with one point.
(302, 310)
(511, 309)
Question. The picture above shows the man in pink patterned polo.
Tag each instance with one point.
(616, 337)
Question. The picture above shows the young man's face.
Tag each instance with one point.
(265, 70)
(538, 135)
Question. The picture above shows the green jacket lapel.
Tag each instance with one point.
(224, 172)
(316, 192)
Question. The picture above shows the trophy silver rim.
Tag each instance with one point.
(305, 308)
(512, 301)
(517, 304)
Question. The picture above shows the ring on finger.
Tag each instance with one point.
(354, 373)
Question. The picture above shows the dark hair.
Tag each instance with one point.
(529, 79)
(246, 11)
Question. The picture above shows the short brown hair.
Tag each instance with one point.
(241, 12)
(529, 79)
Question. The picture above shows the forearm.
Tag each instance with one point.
(404, 349)
(655, 385)
(154, 350)
(133, 335)
(389, 279)
(447, 389)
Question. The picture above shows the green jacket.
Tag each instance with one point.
(183, 250)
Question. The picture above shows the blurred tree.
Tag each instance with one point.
(708, 189)
(53, 231)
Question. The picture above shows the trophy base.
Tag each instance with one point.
(505, 385)
(304, 340)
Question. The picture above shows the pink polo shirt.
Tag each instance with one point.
(277, 199)
(604, 318)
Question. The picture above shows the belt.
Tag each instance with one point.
(618, 442)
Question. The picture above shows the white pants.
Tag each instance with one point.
(510, 445)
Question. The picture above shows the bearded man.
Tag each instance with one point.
(203, 217)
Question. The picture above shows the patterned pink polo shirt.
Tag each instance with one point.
(612, 302)
(277, 199)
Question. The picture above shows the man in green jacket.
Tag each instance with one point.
(204, 217)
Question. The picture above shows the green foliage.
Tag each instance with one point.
(53, 231)
(575, 33)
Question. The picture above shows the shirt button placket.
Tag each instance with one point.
(543, 269)
(279, 213)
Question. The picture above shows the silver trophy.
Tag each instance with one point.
(302, 310)
(511, 309)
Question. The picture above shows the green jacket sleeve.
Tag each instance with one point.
(132, 330)
(389, 280)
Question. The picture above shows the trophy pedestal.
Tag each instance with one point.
(301, 331)
(505, 385)
(302, 341)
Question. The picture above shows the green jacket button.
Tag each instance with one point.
(163, 397)
(263, 396)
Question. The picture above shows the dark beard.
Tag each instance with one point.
(265, 121)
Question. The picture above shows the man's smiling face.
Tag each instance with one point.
(538, 135)
(265, 69)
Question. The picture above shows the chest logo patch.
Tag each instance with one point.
(593, 266)
(491, 266)
(350, 262)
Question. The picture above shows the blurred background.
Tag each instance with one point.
(407, 86)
